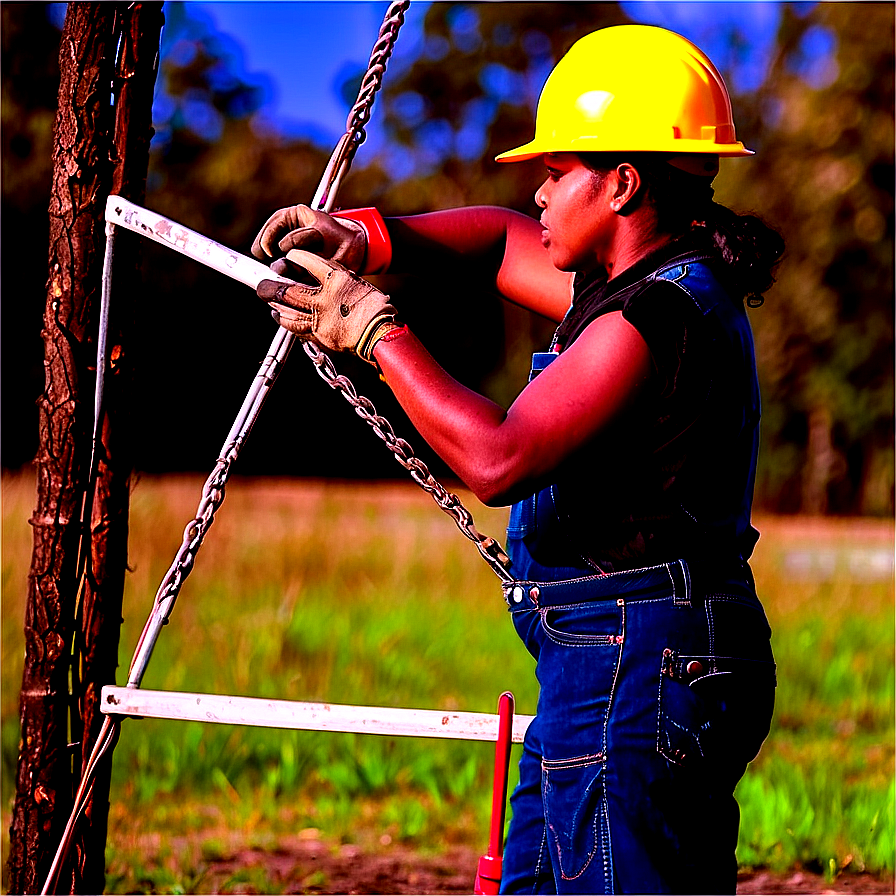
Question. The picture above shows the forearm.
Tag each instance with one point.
(476, 235)
(586, 393)
(498, 248)
(468, 431)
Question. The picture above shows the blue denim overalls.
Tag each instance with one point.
(656, 690)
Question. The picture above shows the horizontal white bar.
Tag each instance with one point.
(306, 716)
(122, 213)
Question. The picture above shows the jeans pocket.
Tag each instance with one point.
(574, 810)
(595, 623)
(713, 709)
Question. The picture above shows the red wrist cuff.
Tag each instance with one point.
(379, 245)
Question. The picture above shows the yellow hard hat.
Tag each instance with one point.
(633, 88)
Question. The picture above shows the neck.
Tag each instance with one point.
(632, 247)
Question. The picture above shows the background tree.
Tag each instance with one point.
(825, 337)
(820, 113)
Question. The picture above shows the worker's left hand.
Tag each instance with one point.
(301, 227)
(341, 312)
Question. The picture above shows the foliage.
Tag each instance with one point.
(369, 596)
(823, 176)
(30, 81)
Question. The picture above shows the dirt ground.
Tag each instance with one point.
(306, 865)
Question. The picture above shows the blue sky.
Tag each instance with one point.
(305, 46)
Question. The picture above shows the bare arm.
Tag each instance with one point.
(501, 455)
(503, 248)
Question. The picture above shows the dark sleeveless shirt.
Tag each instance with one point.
(674, 478)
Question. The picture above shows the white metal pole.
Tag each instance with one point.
(122, 213)
(264, 713)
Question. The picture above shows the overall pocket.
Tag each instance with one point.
(717, 707)
(575, 810)
(583, 625)
(713, 709)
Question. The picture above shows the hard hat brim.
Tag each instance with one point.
(536, 148)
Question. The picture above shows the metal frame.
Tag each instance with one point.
(116, 702)
(294, 715)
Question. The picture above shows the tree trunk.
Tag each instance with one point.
(98, 148)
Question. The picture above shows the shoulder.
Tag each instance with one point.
(671, 312)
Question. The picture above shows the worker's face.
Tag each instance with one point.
(579, 222)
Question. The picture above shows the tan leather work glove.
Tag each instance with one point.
(342, 312)
(301, 227)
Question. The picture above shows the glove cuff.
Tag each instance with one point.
(379, 244)
(380, 326)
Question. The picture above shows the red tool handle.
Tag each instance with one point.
(488, 877)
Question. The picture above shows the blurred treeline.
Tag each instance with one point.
(823, 175)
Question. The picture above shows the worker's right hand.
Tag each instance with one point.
(332, 305)
(300, 227)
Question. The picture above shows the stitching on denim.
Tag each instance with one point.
(730, 598)
(685, 599)
(584, 868)
(671, 722)
(575, 605)
(606, 577)
(573, 640)
(688, 584)
(591, 853)
(750, 603)
(573, 761)
(542, 854)
(606, 845)
(671, 579)
(611, 703)
(611, 697)
(659, 708)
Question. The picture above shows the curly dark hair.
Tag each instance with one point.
(749, 248)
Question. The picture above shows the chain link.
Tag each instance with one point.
(489, 548)
(213, 489)
(359, 115)
(358, 118)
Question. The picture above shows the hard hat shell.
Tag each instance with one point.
(633, 88)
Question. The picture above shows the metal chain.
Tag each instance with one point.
(213, 490)
(359, 115)
(489, 548)
(194, 533)
(358, 118)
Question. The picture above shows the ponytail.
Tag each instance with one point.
(749, 248)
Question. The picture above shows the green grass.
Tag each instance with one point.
(821, 793)
(363, 595)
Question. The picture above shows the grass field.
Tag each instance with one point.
(369, 595)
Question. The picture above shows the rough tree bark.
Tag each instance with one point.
(98, 148)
